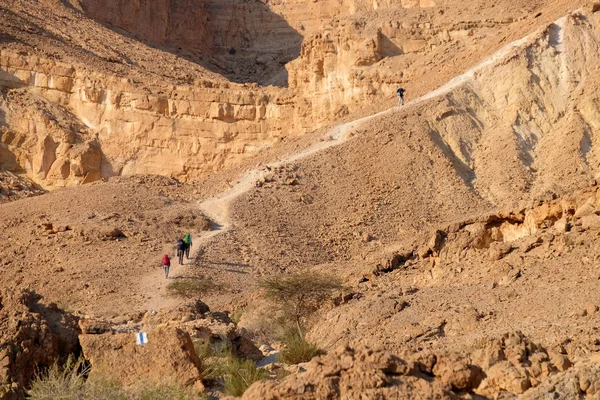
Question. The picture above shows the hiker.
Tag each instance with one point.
(180, 250)
(188, 244)
(166, 263)
(400, 93)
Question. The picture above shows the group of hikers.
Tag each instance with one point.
(184, 245)
(183, 248)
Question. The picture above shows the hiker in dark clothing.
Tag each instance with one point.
(188, 244)
(180, 250)
(166, 263)
(400, 93)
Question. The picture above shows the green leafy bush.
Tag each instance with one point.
(213, 364)
(235, 374)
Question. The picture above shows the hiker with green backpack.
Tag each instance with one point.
(188, 244)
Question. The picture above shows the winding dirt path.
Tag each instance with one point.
(217, 208)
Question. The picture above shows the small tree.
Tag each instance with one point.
(300, 294)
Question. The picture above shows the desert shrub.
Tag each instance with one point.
(236, 316)
(60, 382)
(191, 287)
(300, 295)
(297, 350)
(235, 374)
(240, 374)
(213, 364)
(69, 382)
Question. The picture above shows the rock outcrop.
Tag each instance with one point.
(160, 111)
(32, 337)
(109, 127)
(203, 325)
(507, 366)
(14, 187)
(44, 141)
(349, 373)
(167, 358)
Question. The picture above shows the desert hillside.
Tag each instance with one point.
(344, 247)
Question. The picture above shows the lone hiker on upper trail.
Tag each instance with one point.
(400, 93)
(188, 244)
(166, 263)
(180, 250)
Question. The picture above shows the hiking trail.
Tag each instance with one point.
(217, 208)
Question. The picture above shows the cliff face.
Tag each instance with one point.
(83, 100)
(247, 41)
(83, 126)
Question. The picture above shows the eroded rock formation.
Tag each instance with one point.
(507, 366)
(32, 336)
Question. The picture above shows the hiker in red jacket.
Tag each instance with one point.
(166, 263)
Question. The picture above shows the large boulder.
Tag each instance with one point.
(167, 358)
(215, 328)
(218, 330)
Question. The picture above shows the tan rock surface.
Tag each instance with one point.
(32, 336)
(348, 373)
(168, 358)
(452, 220)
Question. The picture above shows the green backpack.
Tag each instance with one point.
(188, 238)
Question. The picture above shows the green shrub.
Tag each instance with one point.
(191, 287)
(213, 364)
(240, 375)
(297, 350)
(235, 374)
(236, 316)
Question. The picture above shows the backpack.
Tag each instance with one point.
(180, 245)
(188, 238)
(400, 92)
(166, 259)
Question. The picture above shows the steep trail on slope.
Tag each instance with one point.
(217, 207)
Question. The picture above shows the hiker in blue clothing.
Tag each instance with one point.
(180, 250)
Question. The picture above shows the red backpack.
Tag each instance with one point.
(166, 259)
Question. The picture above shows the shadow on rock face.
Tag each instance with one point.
(241, 40)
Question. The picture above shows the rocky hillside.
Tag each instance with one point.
(153, 93)
(460, 230)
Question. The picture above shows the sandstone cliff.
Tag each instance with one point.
(182, 132)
